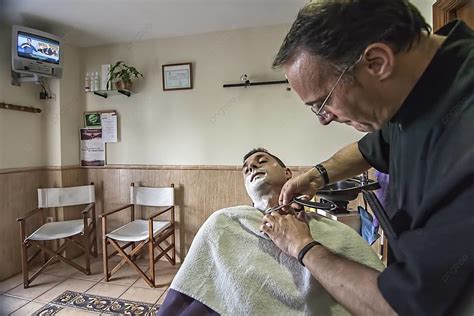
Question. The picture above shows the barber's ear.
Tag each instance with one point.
(288, 174)
(379, 60)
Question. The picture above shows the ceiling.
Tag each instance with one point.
(97, 22)
(88, 23)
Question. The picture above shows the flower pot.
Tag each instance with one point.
(120, 85)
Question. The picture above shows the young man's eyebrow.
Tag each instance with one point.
(257, 156)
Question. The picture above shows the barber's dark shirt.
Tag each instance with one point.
(428, 150)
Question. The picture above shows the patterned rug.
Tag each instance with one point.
(97, 304)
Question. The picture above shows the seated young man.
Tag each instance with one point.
(232, 268)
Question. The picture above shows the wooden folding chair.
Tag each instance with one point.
(68, 230)
(139, 233)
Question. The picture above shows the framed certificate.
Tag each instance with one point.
(177, 76)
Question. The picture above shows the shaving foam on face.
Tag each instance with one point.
(257, 190)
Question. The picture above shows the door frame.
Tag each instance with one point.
(444, 11)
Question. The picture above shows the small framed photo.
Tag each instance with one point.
(177, 76)
(92, 120)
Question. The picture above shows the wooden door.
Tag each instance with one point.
(445, 11)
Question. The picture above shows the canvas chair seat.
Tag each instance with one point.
(58, 230)
(137, 230)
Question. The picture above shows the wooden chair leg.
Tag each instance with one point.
(58, 255)
(94, 233)
(151, 251)
(24, 265)
(173, 240)
(128, 259)
(151, 255)
(45, 258)
(105, 259)
(94, 246)
(105, 255)
(24, 255)
(133, 253)
(87, 246)
(134, 257)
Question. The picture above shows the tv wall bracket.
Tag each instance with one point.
(18, 78)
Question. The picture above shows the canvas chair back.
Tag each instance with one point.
(58, 197)
(151, 196)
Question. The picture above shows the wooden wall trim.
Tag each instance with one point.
(140, 167)
(38, 168)
(188, 167)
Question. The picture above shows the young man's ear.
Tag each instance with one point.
(288, 174)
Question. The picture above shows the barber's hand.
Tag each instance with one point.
(307, 184)
(289, 232)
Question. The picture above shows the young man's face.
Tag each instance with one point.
(261, 172)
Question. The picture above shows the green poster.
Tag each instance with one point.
(92, 119)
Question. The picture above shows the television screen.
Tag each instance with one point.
(38, 48)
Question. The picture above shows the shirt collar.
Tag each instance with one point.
(417, 98)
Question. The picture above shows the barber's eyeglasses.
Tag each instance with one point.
(318, 109)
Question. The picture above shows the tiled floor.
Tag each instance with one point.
(125, 284)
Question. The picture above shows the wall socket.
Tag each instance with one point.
(49, 219)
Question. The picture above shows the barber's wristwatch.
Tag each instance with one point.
(323, 172)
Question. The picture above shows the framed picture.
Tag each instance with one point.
(177, 76)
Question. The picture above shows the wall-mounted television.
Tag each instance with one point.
(36, 52)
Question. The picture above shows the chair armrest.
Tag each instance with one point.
(161, 212)
(115, 211)
(36, 210)
(88, 208)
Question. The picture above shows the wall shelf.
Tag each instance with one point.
(106, 93)
(249, 84)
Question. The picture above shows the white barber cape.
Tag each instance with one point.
(235, 269)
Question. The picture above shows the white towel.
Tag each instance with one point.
(236, 270)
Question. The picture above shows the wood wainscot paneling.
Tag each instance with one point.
(17, 196)
(200, 191)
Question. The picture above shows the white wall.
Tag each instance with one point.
(62, 117)
(20, 132)
(206, 125)
(426, 9)
(51, 137)
(72, 106)
(210, 124)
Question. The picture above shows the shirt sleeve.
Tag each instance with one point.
(435, 262)
(376, 149)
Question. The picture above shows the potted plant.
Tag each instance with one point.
(122, 75)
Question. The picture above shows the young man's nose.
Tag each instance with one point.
(253, 165)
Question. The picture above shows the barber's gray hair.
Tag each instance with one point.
(338, 31)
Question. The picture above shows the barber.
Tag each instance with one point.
(375, 66)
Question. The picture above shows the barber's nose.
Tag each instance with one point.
(326, 118)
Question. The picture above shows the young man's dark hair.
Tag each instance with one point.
(263, 150)
(339, 30)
